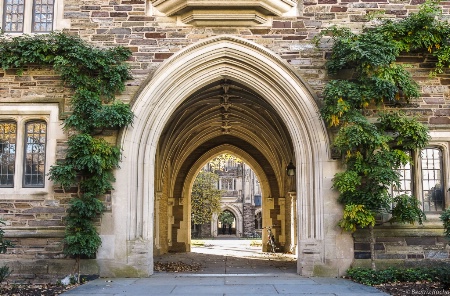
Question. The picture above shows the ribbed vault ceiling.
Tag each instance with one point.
(225, 112)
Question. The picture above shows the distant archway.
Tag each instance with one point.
(232, 227)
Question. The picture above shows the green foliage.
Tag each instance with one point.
(374, 151)
(406, 132)
(427, 29)
(205, 198)
(366, 276)
(81, 236)
(356, 215)
(373, 154)
(5, 271)
(445, 218)
(407, 210)
(82, 239)
(371, 56)
(95, 75)
(79, 64)
(226, 217)
(4, 243)
(371, 277)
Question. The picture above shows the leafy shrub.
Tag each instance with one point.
(4, 273)
(441, 273)
(367, 276)
(95, 75)
(4, 244)
(445, 218)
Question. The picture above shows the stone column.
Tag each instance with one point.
(214, 225)
(249, 219)
(293, 222)
(170, 220)
(157, 249)
(281, 224)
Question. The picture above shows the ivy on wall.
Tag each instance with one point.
(95, 75)
(373, 151)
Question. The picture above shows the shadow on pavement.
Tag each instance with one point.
(231, 256)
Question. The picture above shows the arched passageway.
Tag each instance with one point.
(227, 223)
(222, 94)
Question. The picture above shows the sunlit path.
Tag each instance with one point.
(233, 256)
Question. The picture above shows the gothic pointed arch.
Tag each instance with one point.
(257, 69)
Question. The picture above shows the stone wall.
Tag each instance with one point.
(402, 245)
(34, 222)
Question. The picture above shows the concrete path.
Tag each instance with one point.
(223, 285)
(228, 267)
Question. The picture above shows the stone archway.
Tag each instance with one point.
(139, 187)
(237, 216)
(208, 155)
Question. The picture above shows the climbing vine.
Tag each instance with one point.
(95, 75)
(373, 151)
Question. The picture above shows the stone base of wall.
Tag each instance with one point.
(402, 244)
(47, 270)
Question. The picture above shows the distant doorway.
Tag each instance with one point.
(226, 223)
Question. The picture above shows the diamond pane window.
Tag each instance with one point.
(13, 15)
(7, 153)
(43, 15)
(432, 180)
(34, 162)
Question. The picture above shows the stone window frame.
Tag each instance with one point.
(59, 22)
(22, 114)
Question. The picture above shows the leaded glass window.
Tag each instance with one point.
(405, 180)
(227, 184)
(432, 180)
(34, 161)
(8, 133)
(13, 15)
(43, 15)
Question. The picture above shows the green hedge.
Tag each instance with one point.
(439, 273)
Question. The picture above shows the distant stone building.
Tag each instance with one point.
(241, 197)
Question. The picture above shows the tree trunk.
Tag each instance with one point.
(78, 267)
(372, 248)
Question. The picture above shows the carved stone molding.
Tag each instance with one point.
(224, 12)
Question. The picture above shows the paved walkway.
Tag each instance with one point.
(228, 267)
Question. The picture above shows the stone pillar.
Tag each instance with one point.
(157, 225)
(281, 224)
(140, 258)
(268, 207)
(293, 222)
(311, 251)
(249, 219)
(214, 225)
(170, 220)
